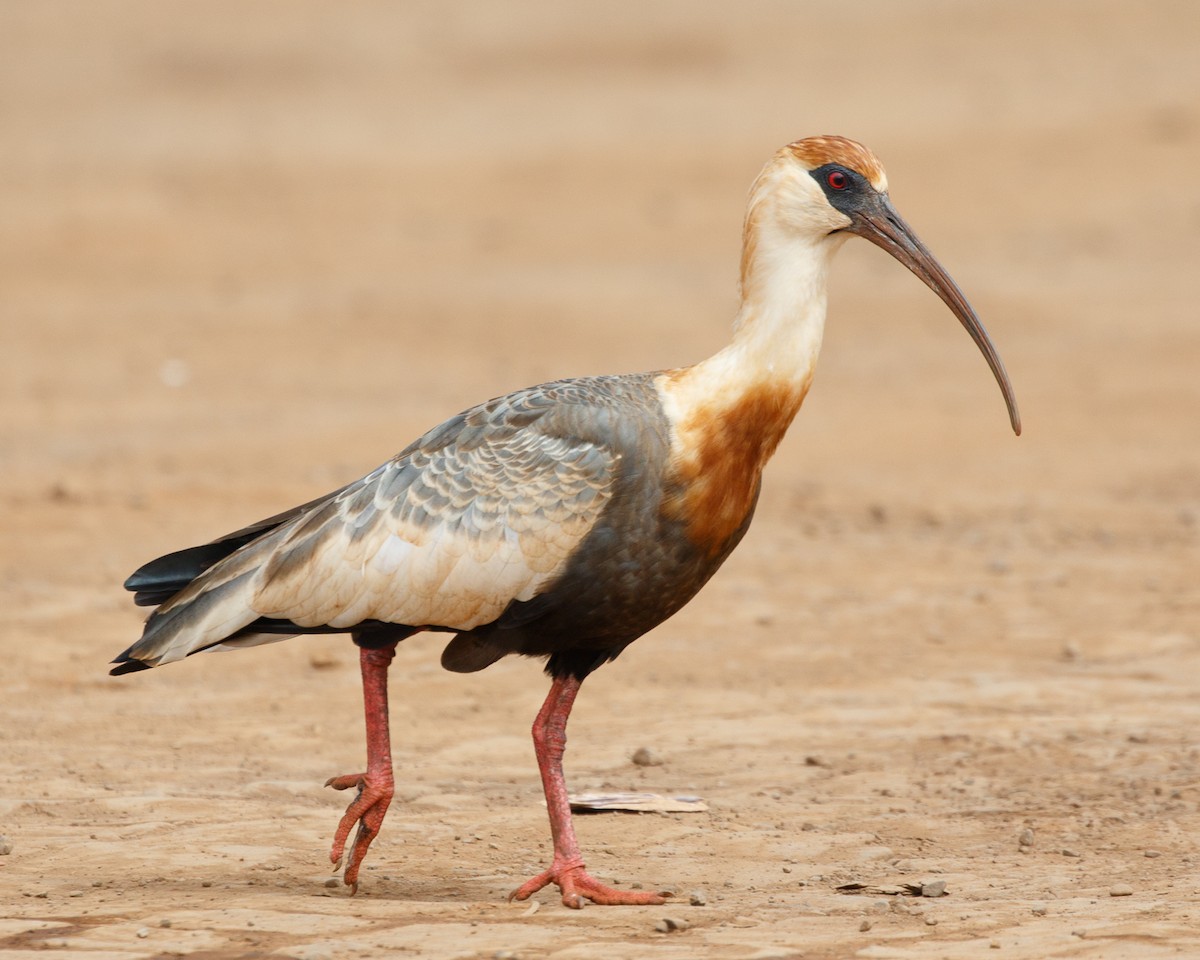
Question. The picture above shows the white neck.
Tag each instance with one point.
(729, 412)
(781, 321)
(779, 326)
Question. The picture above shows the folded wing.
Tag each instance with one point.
(480, 512)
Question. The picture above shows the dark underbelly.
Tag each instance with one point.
(615, 590)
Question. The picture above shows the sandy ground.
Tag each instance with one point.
(248, 251)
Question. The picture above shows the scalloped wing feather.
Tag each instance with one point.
(449, 537)
(481, 511)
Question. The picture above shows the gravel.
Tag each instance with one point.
(645, 757)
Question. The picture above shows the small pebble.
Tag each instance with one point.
(670, 925)
(864, 926)
(1026, 838)
(994, 945)
(142, 933)
(504, 955)
(931, 921)
(645, 757)
(206, 883)
(698, 898)
(75, 893)
(5, 846)
(935, 889)
(1068, 852)
(165, 922)
(1038, 909)
(1152, 854)
(331, 882)
(1121, 890)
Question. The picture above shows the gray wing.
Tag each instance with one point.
(484, 510)
(446, 536)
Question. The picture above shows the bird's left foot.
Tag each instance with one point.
(577, 885)
(367, 809)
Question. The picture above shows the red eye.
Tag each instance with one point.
(837, 180)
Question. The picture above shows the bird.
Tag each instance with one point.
(562, 521)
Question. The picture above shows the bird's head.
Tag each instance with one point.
(821, 190)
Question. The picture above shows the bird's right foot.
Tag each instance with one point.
(578, 885)
(367, 809)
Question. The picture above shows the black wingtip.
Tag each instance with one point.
(127, 666)
(153, 598)
(167, 575)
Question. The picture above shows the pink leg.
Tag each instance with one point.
(375, 787)
(566, 870)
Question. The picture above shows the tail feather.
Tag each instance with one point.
(204, 596)
(126, 665)
(207, 612)
(159, 580)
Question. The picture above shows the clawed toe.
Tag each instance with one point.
(577, 885)
(367, 811)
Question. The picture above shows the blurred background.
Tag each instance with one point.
(250, 250)
(237, 232)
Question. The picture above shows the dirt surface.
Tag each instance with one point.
(248, 251)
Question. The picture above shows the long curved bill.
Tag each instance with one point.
(882, 225)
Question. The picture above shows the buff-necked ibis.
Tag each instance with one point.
(562, 521)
